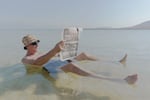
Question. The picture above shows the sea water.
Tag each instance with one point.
(20, 83)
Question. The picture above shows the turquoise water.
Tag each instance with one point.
(108, 45)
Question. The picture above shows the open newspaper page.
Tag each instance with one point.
(70, 37)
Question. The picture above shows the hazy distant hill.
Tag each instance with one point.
(144, 25)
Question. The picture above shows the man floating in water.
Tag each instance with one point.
(33, 57)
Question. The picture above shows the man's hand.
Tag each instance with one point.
(59, 46)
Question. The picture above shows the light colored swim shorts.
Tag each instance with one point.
(53, 66)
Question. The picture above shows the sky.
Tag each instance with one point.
(30, 14)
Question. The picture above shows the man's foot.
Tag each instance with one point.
(131, 79)
(123, 60)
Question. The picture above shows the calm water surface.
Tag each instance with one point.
(108, 45)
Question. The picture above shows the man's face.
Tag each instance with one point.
(32, 47)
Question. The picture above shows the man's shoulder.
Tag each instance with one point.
(30, 59)
(27, 60)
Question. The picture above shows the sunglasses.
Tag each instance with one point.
(33, 43)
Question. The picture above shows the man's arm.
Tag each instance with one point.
(45, 58)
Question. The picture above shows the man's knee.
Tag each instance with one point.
(83, 54)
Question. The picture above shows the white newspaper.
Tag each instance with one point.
(70, 36)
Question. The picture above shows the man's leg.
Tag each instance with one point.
(84, 56)
(74, 69)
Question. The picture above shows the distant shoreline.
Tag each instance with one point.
(142, 26)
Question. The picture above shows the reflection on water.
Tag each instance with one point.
(22, 82)
(33, 83)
